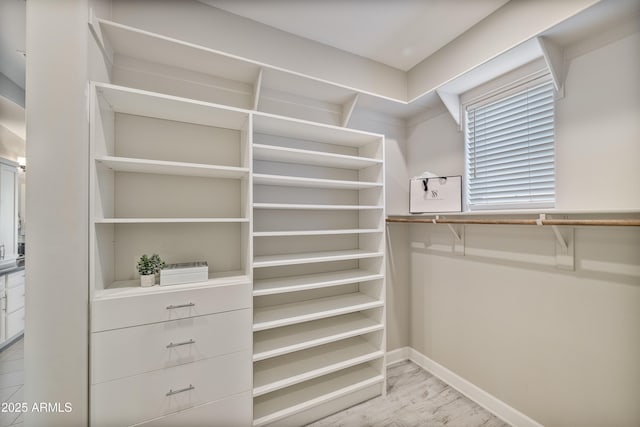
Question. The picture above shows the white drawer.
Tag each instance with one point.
(15, 279)
(15, 322)
(234, 411)
(121, 312)
(15, 298)
(124, 352)
(144, 397)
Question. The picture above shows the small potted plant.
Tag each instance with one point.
(148, 267)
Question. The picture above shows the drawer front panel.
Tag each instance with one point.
(114, 313)
(234, 411)
(124, 352)
(15, 298)
(151, 395)
(15, 279)
(15, 322)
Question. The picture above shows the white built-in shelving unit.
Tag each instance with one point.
(318, 228)
(172, 176)
(167, 171)
(189, 161)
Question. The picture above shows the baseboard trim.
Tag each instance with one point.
(473, 392)
(398, 355)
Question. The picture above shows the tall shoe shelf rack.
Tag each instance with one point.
(289, 215)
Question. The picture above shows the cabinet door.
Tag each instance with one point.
(8, 212)
(15, 323)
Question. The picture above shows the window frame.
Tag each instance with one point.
(523, 84)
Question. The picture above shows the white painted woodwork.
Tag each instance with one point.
(151, 104)
(347, 110)
(230, 411)
(308, 157)
(15, 298)
(124, 307)
(278, 285)
(211, 379)
(122, 164)
(293, 206)
(128, 41)
(12, 302)
(279, 341)
(276, 373)
(15, 323)
(294, 181)
(135, 350)
(315, 232)
(318, 262)
(8, 210)
(15, 279)
(168, 220)
(330, 404)
(319, 308)
(554, 58)
(299, 129)
(311, 257)
(282, 403)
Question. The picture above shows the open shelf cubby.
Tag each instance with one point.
(170, 176)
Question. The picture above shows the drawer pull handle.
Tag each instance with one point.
(171, 307)
(178, 344)
(182, 390)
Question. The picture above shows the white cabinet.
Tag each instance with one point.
(12, 287)
(8, 210)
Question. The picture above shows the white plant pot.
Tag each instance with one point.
(147, 280)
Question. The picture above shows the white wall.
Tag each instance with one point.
(56, 357)
(396, 200)
(598, 129)
(560, 346)
(11, 145)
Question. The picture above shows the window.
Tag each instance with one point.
(509, 146)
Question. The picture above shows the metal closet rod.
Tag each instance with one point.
(539, 221)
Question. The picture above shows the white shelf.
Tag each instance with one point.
(280, 341)
(298, 312)
(286, 127)
(292, 400)
(292, 206)
(124, 164)
(128, 41)
(315, 232)
(168, 220)
(130, 288)
(274, 153)
(311, 257)
(294, 181)
(151, 104)
(311, 281)
(274, 374)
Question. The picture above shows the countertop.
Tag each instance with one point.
(11, 269)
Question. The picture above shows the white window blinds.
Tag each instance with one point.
(510, 150)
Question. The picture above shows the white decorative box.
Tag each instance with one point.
(185, 272)
(435, 194)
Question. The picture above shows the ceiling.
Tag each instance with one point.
(398, 33)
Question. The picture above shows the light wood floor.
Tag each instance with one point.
(415, 398)
(12, 381)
